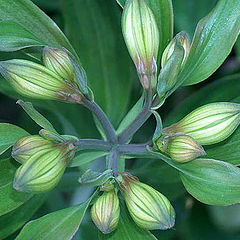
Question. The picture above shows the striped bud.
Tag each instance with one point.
(148, 208)
(44, 169)
(36, 81)
(59, 62)
(106, 211)
(181, 148)
(209, 124)
(141, 35)
(182, 39)
(25, 147)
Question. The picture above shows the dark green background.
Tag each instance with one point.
(93, 27)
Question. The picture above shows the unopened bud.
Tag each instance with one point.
(106, 211)
(36, 81)
(25, 147)
(44, 169)
(182, 39)
(59, 62)
(209, 124)
(149, 208)
(141, 35)
(181, 148)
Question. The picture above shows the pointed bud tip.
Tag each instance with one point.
(141, 198)
(141, 35)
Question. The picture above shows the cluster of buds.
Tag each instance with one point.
(105, 212)
(209, 124)
(148, 208)
(206, 125)
(141, 35)
(43, 163)
(54, 81)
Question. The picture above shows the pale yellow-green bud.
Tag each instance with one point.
(141, 35)
(106, 211)
(148, 208)
(25, 147)
(36, 81)
(181, 148)
(44, 169)
(182, 39)
(209, 124)
(59, 62)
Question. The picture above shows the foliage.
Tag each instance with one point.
(104, 135)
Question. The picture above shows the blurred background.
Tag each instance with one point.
(93, 27)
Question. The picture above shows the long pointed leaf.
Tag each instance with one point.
(94, 29)
(213, 41)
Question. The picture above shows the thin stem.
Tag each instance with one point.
(95, 144)
(134, 149)
(141, 118)
(103, 119)
(114, 157)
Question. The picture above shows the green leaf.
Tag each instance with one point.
(9, 134)
(102, 50)
(238, 48)
(36, 116)
(187, 20)
(228, 151)
(93, 178)
(80, 76)
(60, 225)
(10, 199)
(221, 90)
(30, 17)
(212, 43)
(99, 127)
(225, 89)
(14, 37)
(158, 130)
(131, 115)
(127, 229)
(209, 181)
(167, 182)
(84, 158)
(14, 220)
(163, 12)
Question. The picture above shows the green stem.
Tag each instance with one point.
(103, 119)
(133, 149)
(93, 144)
(114, 158)
(137, 123)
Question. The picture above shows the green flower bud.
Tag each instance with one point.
(106, 211)
(36, 81)
(182, 39)
(44, 169)
(141, 35)
(25, 147)
(59, 62)
(149, 208)
(209, 124)
(181, 148)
